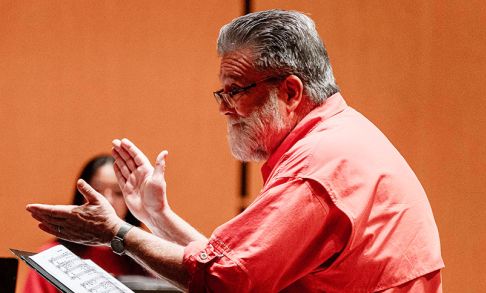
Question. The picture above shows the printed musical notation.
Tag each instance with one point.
(77, 274)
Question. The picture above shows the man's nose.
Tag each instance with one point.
(225, 109)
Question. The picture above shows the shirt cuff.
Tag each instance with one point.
(190, 253)
(197, 256)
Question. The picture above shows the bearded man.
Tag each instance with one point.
(340, 209)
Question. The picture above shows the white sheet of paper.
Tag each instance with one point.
(79, 275)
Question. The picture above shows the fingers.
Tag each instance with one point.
(91, 223)
(124, 156)
(159, 170)
(127, 158)
(91, 195)
(119, 176)
(68, 233)
(130, 154)
(51, 229)
(52, 218)
(50, 211)
(41, 217)
(137, 155)
(120, 165)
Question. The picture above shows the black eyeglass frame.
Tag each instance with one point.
(228, 98)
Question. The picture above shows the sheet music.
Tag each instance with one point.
(77, 274)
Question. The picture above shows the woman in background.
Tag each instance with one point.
(99, 173)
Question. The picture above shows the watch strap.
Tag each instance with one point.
(116, 243)
(124, 228)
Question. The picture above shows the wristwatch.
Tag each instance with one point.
(117, 242)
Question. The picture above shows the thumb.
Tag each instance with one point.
(159, 169)
(91, 195)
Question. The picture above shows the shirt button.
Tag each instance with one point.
(203, 255)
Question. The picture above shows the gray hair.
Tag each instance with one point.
(283, 42)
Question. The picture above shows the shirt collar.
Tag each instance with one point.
(332, 106)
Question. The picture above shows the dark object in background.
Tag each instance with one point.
(8, 274)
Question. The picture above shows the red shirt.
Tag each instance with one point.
(340, 211)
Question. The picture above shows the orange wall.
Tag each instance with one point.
(76, 74)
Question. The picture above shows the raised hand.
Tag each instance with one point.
(143, 186)
(144, 189)
(93, 223)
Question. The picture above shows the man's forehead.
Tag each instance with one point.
(236, 65)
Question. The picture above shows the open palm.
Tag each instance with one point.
(143, 186)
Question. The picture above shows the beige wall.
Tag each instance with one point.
(76, 74)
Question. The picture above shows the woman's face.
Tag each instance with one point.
(104, 181)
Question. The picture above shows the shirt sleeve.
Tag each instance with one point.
(290, 230)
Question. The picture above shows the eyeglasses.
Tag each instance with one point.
(229, 97)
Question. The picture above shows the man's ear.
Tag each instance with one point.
(293, 90)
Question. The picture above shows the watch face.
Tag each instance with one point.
(117, 246)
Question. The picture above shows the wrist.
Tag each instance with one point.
(117, 243)
(158, 222)
(161, 215)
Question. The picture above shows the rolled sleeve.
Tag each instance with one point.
(213, 269)
(190, 253)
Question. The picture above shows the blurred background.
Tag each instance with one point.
(76, 74)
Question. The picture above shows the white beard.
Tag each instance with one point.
(255, 137)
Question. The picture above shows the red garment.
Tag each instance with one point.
(101, 255)
(340, 211)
